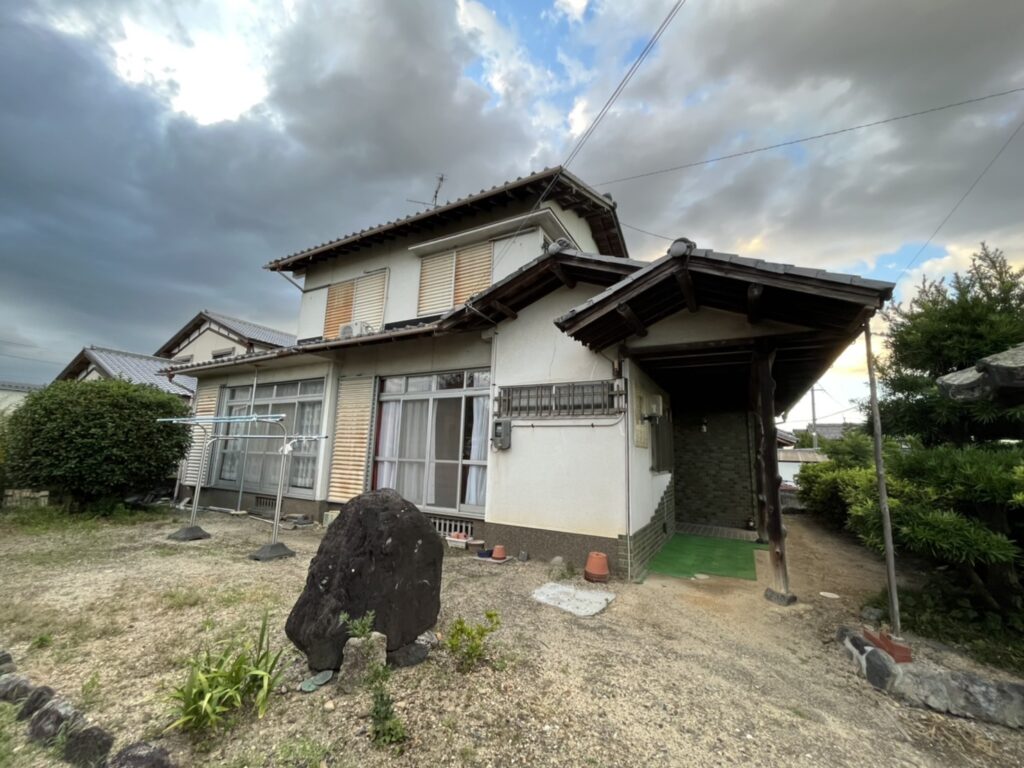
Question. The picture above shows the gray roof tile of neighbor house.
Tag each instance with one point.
(254, 331)
(130, 366)
(17, 386)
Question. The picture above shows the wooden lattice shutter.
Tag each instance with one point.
(369, 299)
(340, 301)
(436, 274)
(472, 270)
(351, 438)
(205, 404)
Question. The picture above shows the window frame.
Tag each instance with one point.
(402, 394)
(239, 398)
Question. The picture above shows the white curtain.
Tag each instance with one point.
(476, 479)
(387, 445)
(303, 461)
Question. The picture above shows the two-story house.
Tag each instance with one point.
(511, 371)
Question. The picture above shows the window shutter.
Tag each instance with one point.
(340, 299)
(436, 273)
(472, 270)
(369, 299)
(205, 404)
(351, 438)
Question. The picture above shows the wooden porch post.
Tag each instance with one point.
(768, 450)
(761, 516)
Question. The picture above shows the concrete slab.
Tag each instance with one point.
(579, 602)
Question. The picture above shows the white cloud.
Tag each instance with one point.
(573, 10)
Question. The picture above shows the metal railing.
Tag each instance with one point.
(576, 399)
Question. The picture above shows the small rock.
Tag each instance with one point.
(413, 653)
(6, 658)
(880, 669)
(558, 560)
(141, 754)
(524, 556)
(329, 706)
(8, 668)
(874, 615)
(35, 701)
(87, 747)
(359, 656)
(14, 687)
(56, 715)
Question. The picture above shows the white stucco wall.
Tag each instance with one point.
(202, 347)
(563, 475)
(9, 399)
(707, 324)
(402, 298)
(645, 487)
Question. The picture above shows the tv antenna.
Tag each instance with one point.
(437, 191)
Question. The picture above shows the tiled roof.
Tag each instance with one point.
(567, 189)
(254, 331)
(138, 369)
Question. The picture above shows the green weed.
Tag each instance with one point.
(468, 642)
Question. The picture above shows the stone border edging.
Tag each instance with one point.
(956, 693)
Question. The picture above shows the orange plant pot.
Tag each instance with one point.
(499, 552)
(597, 567)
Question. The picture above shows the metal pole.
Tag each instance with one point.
(248, 432)
(280, 483)
(814, 422)
(883, 495)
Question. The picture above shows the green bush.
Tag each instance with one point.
(94, 440)
(468, 642)
(825, 489)
(386, 728)
(217, 686)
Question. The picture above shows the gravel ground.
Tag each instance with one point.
(679, 673)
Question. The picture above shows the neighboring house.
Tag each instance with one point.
(514, 374)
(826, 431)
(12, 393)
(207, 336)
(792, 460)
(100, 363)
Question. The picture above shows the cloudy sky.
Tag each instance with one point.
(145, 143)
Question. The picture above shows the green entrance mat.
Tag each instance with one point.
(684, 556)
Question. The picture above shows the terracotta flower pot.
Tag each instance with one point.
(499, 552)
(597, 567)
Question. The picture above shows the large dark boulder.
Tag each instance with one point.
(381, 554)
(141, 754)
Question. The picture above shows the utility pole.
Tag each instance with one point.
(883, 494)
(814, 422)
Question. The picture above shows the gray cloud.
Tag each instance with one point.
(121, 218)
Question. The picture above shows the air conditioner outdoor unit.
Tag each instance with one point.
(655, 406)
(355, 328)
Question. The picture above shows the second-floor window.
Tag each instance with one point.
(358, 299)
(448, 279)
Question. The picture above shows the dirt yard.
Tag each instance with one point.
(673, 673)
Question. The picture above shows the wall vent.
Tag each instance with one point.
(264, 504)
(446, 526)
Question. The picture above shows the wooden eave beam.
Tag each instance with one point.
(506, 310)
(685, 281)
(631, 319)
(755, 307)
(557, 271)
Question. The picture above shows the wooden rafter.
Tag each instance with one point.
(631, 319)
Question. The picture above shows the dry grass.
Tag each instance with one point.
(673, 673)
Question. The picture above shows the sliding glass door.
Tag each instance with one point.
(431, 441)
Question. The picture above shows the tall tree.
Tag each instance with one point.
(944, 328)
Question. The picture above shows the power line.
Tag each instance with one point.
(963, 197)
(791, 142)
(33, 359)
(647, 232)
(599, 117)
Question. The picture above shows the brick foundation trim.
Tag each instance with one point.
(645, 543)
(543, 544)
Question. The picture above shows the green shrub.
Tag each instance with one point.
(217, 686)
(468, 642)
(825, 490)
(94, 440)
(386, 728)
(361, 627)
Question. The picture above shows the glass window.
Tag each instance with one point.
(450, 380)
(301, 403)
(393, 384)
(419, 384)
(432, 444)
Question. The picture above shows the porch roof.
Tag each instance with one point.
(831, 309)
